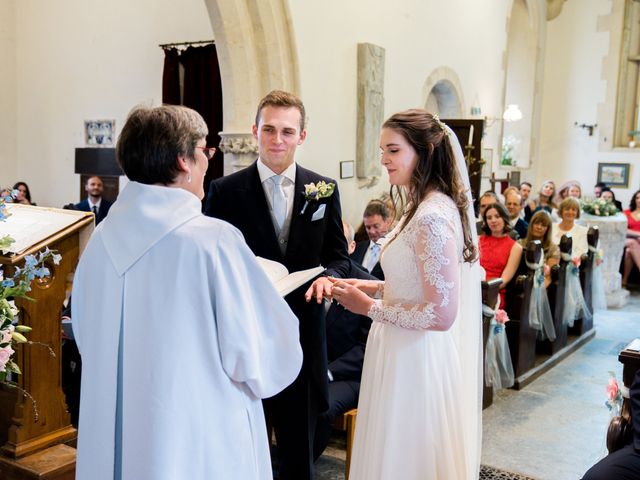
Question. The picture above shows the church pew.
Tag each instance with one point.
(490, 292)
(521, 337)
(556, 295)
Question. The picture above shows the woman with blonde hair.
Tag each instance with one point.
(569, 212)
(544, 200)
(540, 229)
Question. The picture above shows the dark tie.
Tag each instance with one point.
(94, 209)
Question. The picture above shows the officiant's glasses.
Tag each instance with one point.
(208, 152)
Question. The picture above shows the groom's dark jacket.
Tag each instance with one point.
(240, 200)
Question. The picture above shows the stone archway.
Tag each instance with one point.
(524, 69)
(257, 53)
(442, 93)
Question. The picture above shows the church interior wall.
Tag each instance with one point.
(76, 61)
(7, 92)
(418, 37)
(575, 88)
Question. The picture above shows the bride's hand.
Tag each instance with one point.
(370, 287)
(350, 297)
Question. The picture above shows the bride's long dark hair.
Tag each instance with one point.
(435, 170)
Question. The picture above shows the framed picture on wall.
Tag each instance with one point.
(614, 174)
(346, 169)
(487, 157)
(99, 133)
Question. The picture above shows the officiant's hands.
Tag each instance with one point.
(347, 294)
(319, 289)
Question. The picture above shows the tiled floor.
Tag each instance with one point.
(553, 429)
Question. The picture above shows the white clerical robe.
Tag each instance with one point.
(181, 332)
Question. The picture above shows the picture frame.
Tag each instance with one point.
(99, 133)
(487, 157)
(346, 169)
(614, 174)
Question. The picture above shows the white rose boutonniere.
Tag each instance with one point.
(315, 191)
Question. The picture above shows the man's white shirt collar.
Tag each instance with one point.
(266, 173)
(91, 204)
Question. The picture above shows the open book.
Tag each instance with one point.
(284, 281)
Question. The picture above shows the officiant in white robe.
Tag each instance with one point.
(180, 331)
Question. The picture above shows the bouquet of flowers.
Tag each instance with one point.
(6, 240)
(599, 207)
(509, 143)
(614, 396)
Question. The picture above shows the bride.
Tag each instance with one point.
(420, 399)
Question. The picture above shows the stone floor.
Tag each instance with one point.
(554, 428)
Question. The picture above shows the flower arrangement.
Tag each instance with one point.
(598, 207)
(501, 319)
(509, 143)
(614, 396)
(315, 191)
(18, 286)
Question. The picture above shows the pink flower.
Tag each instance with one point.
(576, 261)
(5, 355)
(6, 334)
(501, 316)
(612, 389)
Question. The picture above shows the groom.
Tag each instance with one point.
(267, 202)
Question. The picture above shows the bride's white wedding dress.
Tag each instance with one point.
(412, 410)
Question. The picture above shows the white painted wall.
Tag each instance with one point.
(77, 60)
(419, 36)
(574, 86)
(8, 144)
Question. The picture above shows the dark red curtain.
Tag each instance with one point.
(171, 77)
(202, 91)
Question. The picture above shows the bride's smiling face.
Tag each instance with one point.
(397, 156)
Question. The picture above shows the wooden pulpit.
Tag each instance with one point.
(33, 445)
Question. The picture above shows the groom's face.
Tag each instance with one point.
(278, 134)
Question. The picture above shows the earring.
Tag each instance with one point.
(189, 179)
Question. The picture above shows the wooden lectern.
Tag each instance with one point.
(31, 449)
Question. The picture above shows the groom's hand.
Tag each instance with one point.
(319, 289)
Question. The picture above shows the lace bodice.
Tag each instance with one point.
(422, 268)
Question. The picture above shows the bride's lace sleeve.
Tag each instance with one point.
(436, 255)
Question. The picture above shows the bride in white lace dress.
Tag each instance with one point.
(419, 408)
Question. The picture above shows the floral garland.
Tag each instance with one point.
(18, 286)
(614, 396)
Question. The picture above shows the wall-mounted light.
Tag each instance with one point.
(586, 126)
(512, 113)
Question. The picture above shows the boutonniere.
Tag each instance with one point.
(315, 191)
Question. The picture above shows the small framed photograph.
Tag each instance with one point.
(487, 158)
(99, 133)
(614, 174)
(346, 169)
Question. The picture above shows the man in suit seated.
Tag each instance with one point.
(346, 340)
(94, 201)
(376, 221)
(513, 202)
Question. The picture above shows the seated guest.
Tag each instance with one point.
(569, 212)
(525, 191)
(499, 253)
(623, 464)
(376, 222)
(513, 202)
(94, 201)
(487, 198)
(571, 188)
(540, 229)
(608, 195)
(544, 201)
(632, 243)
(346, 339)
(22, 194)
(597, 189)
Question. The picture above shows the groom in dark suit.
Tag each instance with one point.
(94, 202)
(267, 202)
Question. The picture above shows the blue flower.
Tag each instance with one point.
(41, 272)
(56, 258)
(8, 283)
(30, 261)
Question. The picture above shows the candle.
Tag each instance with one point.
(470, 142)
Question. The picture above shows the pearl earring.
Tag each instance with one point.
(189, 179)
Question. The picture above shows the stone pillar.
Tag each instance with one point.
(613, 231)
(240, 150)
